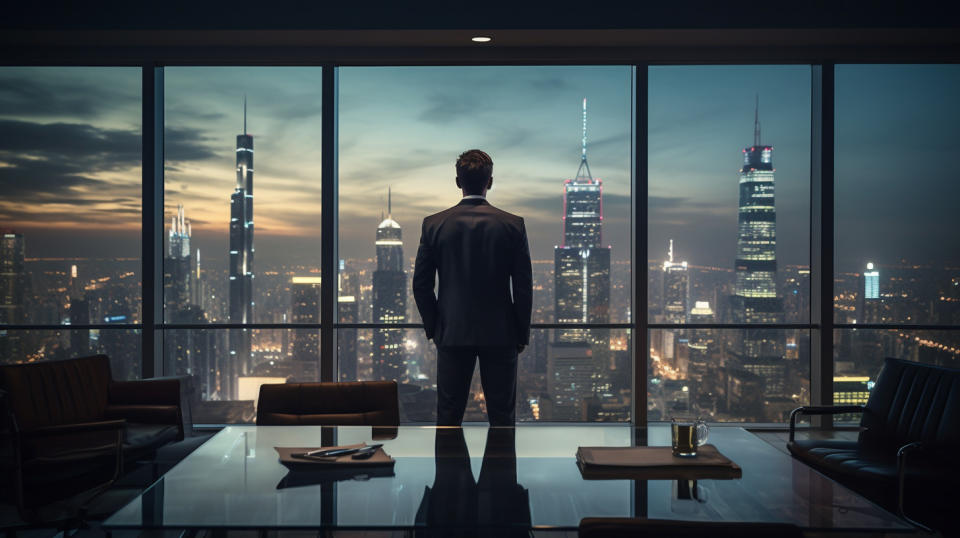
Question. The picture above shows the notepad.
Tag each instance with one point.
(287, 458)
(654, 463)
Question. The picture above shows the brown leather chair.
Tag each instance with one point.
(623, 527)
(360, 403)
(68, 427)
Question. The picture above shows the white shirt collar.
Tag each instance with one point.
(473, 196)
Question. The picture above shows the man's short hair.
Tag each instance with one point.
(474, 169)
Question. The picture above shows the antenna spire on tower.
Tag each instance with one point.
(389, 203)
(583, 147)
(244, 113)
(670, 251)
(756, 122)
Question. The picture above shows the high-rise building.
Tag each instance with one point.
(347, 312)
(79, 315)
(870, 303)
(581, 262)
(13, 281)
(755, 297)
(578, 359)
(389, 300)
(676, 289)
(241, 259)
(305, 308)
(177, 273)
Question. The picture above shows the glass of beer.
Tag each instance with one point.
(687, 435)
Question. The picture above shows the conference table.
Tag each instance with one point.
(510, 479)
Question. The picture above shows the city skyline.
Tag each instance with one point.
(566, 374)
(101, 182)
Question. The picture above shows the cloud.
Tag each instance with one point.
(32, 96)
(444, 108)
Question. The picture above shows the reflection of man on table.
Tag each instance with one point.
(457, 506)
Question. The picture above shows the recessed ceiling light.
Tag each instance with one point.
(481, 39)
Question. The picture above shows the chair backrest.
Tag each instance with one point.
(617, 527)
(57, 392)
(360, 403)
(913, 402)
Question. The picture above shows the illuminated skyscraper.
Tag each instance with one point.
(177, 274)
(241, 259)
(676, 289)
(871, 282)
(389, 300)
(347, 312)
(755, 293)
(582, 263)
(305, 308)
(870, 304)
(578, 358)
(12, 293)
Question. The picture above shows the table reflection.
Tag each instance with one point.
(456, 505)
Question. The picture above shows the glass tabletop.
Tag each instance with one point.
(478, 476)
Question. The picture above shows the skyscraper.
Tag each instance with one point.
(870, 305)
(241, 259)
(12, 293)
(676, 289)
(581, 263)
(389, 300)
(177, 275)
(347, 312)
(577, 358)
(755, 292)
(305, 308)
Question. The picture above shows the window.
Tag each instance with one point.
(70, 213)
(897, 244)
(233, 255)
(729, 240)
(560, 138)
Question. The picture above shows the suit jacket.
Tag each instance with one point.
(479, 253)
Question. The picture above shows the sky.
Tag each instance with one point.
(70, 154)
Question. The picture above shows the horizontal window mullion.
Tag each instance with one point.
(86, 326)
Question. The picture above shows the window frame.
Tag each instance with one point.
(822, 62)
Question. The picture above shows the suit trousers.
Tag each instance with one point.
(498, 376)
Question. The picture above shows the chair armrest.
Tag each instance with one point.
(80, 427)
(144, 414)
(152, 391)
(821, 410)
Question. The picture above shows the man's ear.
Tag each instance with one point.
(490, 183)
(457, 179)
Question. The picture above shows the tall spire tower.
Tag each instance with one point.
(755, 290)
(581, 263)
(241, 261)
(389, 300)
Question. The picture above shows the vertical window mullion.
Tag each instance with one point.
(822, 240)
(639, 334)
(328, 224)
(152, 217)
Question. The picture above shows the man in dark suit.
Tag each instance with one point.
(484, 299)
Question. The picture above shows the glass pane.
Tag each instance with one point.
(70, 213)
(729, 202)
(898, 244)
(557, 381)
(400, 132)
(217, 119)
(121, 345)
(859, 353)
(700, 372)
(223, 390)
